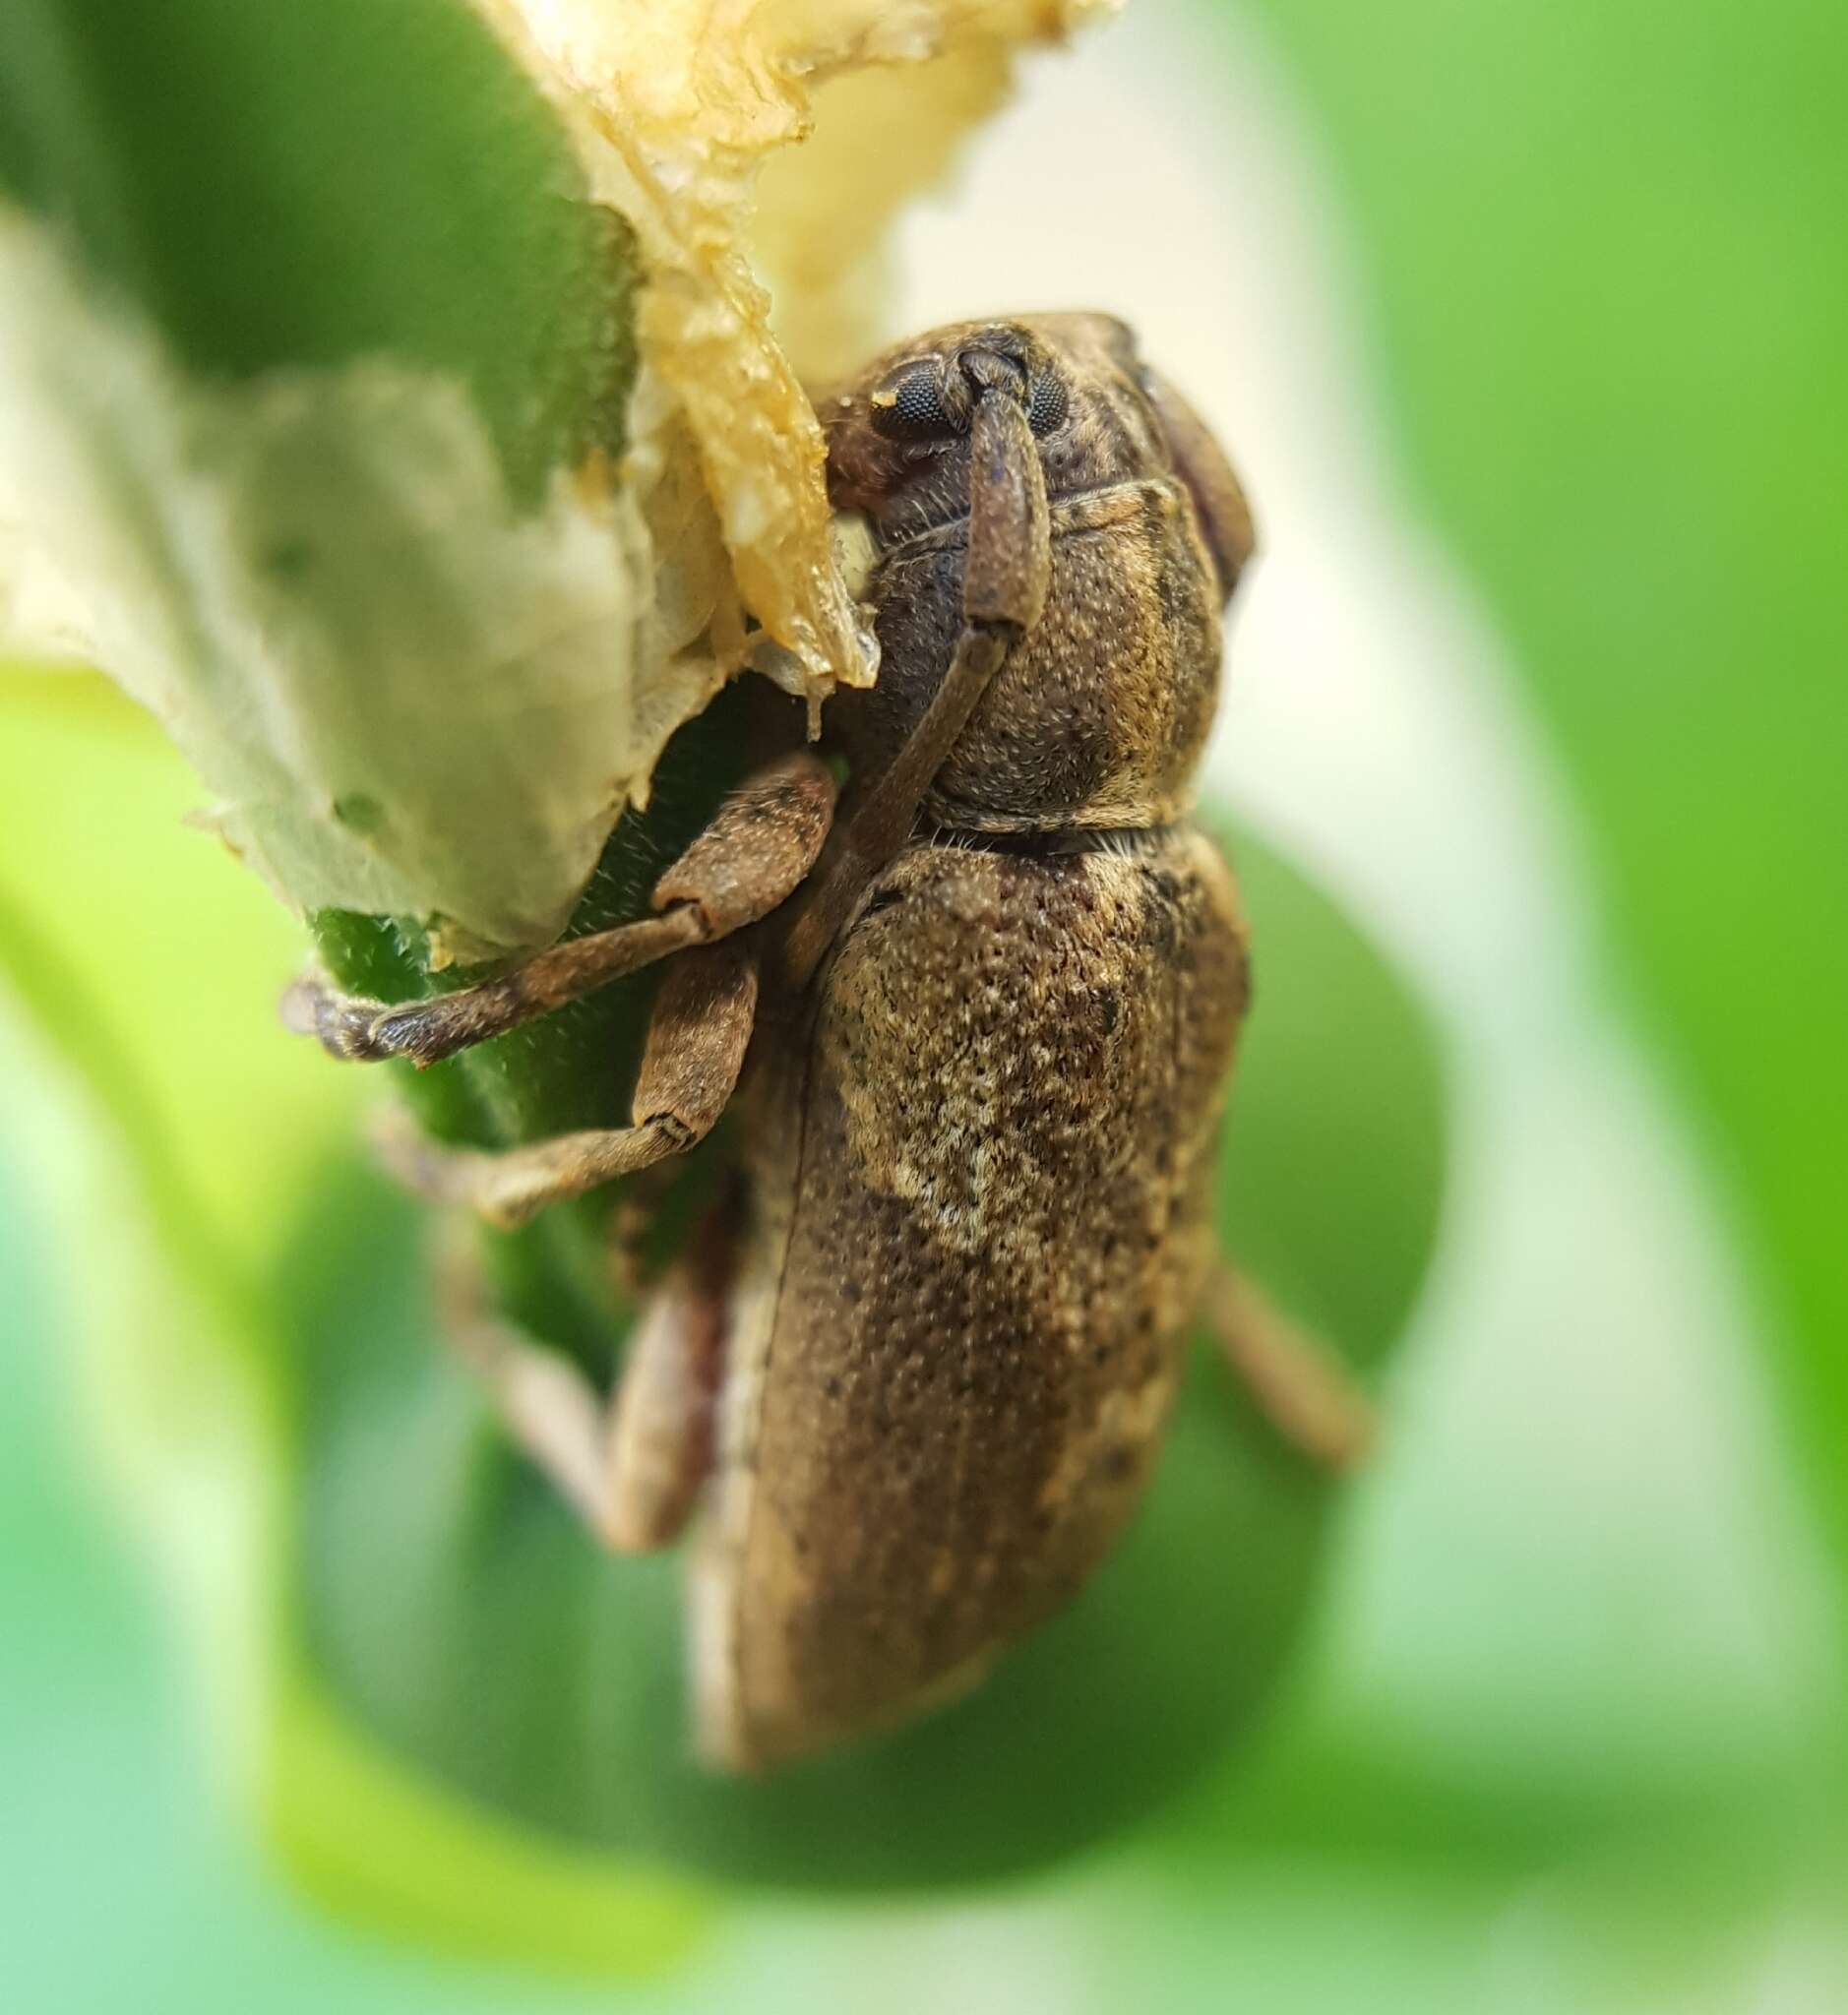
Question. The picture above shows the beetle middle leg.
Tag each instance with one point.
(631, 1464)
(761, 841)
(698, 1035)
(1298, 1385)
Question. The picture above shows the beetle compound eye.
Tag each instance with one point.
(910, 407)
(1048, 404)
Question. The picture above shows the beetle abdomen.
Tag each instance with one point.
(974, 1284)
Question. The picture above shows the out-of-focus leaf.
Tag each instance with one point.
(1335, 1158)
(188, 1139)
(155, 961)
(1607, 262)
(452, 1607)
(434, 1606)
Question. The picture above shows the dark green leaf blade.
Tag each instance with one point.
(282, 186)
(447, 1601)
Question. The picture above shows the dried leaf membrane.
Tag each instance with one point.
(686, 113)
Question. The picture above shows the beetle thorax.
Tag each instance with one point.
(1099, 716)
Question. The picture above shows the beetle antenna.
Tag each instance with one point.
(1004, 589)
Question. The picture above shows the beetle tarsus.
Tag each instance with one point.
(630, 1464)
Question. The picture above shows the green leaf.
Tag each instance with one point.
(279, 187)
(451, 1605)
(431, 1621)
(308, 334)
(1605, 253)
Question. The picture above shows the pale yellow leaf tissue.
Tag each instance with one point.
(762, 150)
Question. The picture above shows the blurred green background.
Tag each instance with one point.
(1560, 363)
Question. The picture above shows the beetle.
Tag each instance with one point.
(978, 1021)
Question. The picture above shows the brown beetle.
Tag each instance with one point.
(913, 1374)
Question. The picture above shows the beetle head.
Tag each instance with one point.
(1099, 715)
(898, 437)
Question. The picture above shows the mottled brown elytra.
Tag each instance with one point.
(908, 1380)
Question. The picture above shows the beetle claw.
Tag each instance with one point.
(353, 1029)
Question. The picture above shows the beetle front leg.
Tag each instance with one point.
(761, 841)
(1300, 1389)
(698, 1035)
(1003, 594)
(631, 1465)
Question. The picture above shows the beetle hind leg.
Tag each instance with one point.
(630, 1464)
(1301, 1388)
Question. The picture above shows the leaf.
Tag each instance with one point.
(430, 1620)
(301, 359)
(1613, 320)
(451, 1606)
(199, 1126)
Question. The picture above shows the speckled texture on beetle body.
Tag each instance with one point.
(983, 1291)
